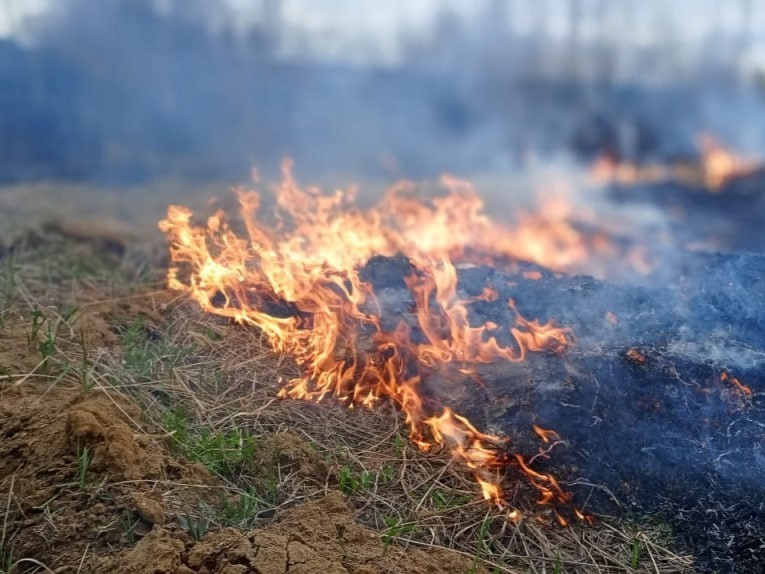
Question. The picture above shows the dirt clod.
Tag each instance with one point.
(315, 537)
(114, 445)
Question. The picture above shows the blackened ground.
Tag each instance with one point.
(640, 399)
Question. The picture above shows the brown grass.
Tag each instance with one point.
(225, 379)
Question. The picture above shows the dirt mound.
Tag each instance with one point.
(85, 481)
(116, 449)
(288, 451)
(79, 472)
(315, 537)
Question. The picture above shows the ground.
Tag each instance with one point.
(140, 435)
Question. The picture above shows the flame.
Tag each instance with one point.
(545, 434)
(297, 279)
(738, 385)
(716, 167)
(720, 165)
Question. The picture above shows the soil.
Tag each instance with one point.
(121, 518)
(318, 536)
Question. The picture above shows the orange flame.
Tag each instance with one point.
(297, 280)
(717, 166)
(545, 434)
(738, 385)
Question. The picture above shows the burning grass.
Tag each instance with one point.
(82, 322)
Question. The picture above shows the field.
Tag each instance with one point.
(142, 435)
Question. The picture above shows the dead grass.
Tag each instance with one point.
(208, 389)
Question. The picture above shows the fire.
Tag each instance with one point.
(719, 165)
(738, 385)
(297, 279)
(716, 167)
(546, 435)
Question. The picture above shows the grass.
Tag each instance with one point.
(128, 525)
(84, 457)
(7, 560)
(221, 452)
(353, 483)
(443, 499)
(395, 528)
(146, 357)
(196, 526)
(9, 281)
(207, 388)
(240, 511)
(635, 553)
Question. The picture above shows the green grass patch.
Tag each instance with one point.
(222, 452)
(353, 483)
(145, 357)
(444, 499)
(394, 528)
(84, 457)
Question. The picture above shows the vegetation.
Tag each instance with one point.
(207, 393)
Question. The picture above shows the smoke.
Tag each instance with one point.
(127, 91)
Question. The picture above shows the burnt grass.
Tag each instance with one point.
(650, 427)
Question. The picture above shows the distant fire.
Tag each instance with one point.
(717, 166)
(740, 388)
(296, 277)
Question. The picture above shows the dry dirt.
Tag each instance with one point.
(68, 526)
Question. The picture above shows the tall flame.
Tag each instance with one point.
(298, 281)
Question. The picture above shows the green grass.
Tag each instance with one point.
(38, 320)
(196, 526)
(128, 524)
(444, 499)
(635, 553)
(352, 483)
(388, 473)
(394, 528)
(241, 512)
(84, 458)
(145, 358)
(43, 334)
(222, 452)
(7, 562)
(483, 545)
(47, 348)
(399, 444)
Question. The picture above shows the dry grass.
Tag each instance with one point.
(198, 378)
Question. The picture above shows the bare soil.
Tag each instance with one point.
(130, 489)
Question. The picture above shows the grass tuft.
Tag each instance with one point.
(221, 452)
(84, 458)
